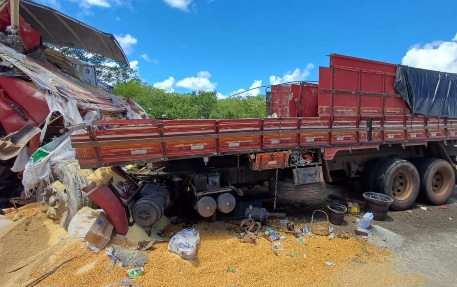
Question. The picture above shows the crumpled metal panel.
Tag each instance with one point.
(55, 82)
(59, 29)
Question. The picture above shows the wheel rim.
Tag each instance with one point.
(440, 183)
(402, 186)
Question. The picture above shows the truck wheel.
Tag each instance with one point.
(73, 179)
(437, 180)
(369, 172)
(400, 180)
(288, 192)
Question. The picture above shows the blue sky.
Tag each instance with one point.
(228, 45)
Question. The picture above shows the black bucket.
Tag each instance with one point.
(336, 213)
(378, 204)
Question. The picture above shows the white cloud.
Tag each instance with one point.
(253, 90)
(126, 42)
(99, 3)
(179, 4)
(296, 75)
(200, 83)
(437, 55)
(134, 65)
(166, 85)
(145, 57)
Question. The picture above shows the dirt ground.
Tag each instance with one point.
(410, 248)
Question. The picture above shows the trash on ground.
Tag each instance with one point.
(344, 235)
(230, 269)
(135, 272)
(365, 222)
(353, 208)
(185, 243)
(301, 240)
(443, 207)
(424, 208)
(146, 245)
(126, 257)
(360, 232)
(329, 263)
(331, 236)
(320, 229)
(99, 233)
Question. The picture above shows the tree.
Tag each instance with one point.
(108, 71)
(197, 105)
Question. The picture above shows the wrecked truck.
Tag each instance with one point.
(391, 127)
(43, 96)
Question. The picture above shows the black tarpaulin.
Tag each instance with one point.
(427, 92)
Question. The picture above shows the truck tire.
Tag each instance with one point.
(400, 180)
(437, 180)
(73, 179)
(288, 192)
(369, 173)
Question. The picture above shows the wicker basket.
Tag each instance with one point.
(320, 228)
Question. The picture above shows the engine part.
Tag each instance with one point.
(214, 181)
(226, 202)
(206, 206)
(151, 205)
(261, 214)
(200, 182)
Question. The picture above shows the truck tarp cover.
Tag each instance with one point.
(428, 93)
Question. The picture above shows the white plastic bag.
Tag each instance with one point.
(185, 243)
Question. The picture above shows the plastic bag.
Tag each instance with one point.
(185, 243)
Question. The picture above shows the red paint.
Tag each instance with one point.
(30, 38)
(354, 106)
(104, 197)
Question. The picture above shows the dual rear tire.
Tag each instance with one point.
(432, 179)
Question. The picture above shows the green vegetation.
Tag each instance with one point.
(197, 105)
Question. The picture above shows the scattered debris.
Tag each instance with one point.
(231, 269)
(135, 272)
(353, 208)
(319, 228)
(329, 263)
(185, 243)
(424, 208)
(126, 257)
(359, 232)
(444, 207)
(344, 235)
(145, 245)
(365, 222)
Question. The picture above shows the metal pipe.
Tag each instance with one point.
(14, 11)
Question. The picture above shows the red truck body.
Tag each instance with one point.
(354, 106)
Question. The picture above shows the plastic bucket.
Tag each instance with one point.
(336, 213)
(378, 204)
(365, 222)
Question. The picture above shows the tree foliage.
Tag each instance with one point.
(197, 105)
